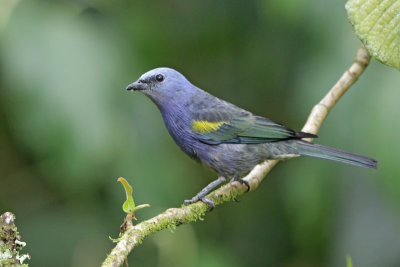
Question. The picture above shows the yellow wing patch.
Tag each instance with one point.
(206, 126)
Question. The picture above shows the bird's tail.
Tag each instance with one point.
(324, 152)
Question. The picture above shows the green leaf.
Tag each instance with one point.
(129, 204)
(142, 206)
(377, 24)
(349, 262)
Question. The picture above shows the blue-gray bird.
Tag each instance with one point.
(224, 137)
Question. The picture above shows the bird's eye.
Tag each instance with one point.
(159, 78)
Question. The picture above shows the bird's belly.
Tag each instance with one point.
(236, 160)
(230, 160)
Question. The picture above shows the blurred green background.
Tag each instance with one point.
(68, 130)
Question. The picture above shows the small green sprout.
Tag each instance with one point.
(129, 205)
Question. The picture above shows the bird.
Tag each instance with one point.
(228, 139)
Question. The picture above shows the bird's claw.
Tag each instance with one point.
(209, 202)
(205, 200)
(187, 202)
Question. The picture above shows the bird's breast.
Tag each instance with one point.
(178, 127)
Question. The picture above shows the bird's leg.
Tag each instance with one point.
(202, 194)
(240, 180)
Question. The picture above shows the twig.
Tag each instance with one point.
(174, 217)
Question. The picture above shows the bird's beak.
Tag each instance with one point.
(137, 86)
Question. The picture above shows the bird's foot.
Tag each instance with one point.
(202, 194)
(240, 180)
(196, 198)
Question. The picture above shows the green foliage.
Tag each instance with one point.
(377, 25)
(129, 204)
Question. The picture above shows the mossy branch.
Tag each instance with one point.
(10, 244)
(174, 217)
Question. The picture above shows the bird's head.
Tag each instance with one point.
(164, 86)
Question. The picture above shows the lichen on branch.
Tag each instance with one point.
(10, 243)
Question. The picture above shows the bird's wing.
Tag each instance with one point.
(264, 130)
(213, 126)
